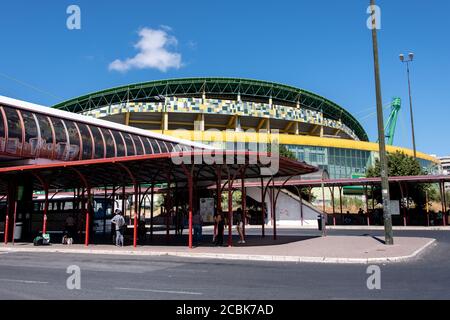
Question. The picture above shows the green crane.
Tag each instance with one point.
(391, 123)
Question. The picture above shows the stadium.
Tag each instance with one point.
(317, 130)
(136, 130)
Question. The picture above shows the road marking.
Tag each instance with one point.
(24, 281)
(160, 291)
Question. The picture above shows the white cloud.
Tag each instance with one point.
(154, 52)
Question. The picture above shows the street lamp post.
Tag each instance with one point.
(389, 237)
(407, 61)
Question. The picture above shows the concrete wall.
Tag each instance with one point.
(288, 210)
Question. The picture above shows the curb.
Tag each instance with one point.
(396, 228)
(362, 227)
(231, 256)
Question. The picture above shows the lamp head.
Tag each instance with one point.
(402, 57)
(411, 56)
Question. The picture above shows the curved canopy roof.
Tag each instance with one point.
(157, 90)
(149, 168)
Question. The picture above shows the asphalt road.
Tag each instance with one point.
(43, 276)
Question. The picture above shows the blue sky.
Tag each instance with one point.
(322, 46)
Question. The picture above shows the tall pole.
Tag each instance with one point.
(389, 237)
(411, 112)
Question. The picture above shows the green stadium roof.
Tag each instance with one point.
(213, 86)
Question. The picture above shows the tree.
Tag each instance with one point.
(400, 164)
(283, 151)
(286, 153)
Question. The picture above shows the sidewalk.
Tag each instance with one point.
(331, 249)
(354, 227)
(395, 228)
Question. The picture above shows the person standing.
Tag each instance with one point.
(70, 228)
(181, 221)
(197, 221)
(220, 228)
(119, 221)
(240, 225)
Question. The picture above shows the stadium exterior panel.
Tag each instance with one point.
(317, 130)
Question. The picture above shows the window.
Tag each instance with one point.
(46, 151)
(164, 147)
(173, 147)
(110, 144)
(98, 143)
(331, 151)
(2, 131)
(138, 144)
(320, 158)
(129, 143)
(87, 141)
(155, 145)
(74, 141)
(147, 145)
(32, 143)
(121, 150)
(14, 144)
(61, 136)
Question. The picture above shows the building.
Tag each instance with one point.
(445, 163)
(317, 130)
(49, 150)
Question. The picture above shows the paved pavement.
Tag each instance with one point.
(43, 276)
(330, 249)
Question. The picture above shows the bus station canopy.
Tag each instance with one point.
(155, 168)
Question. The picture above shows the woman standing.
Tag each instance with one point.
(220, 228)
(240, 225)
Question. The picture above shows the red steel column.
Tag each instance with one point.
(168, 206)
(151, 210)
(243, 201)
(86, 239)
(113, 199)
(443, 201)
(263, 211)
(83, 208)
(274, 210)
(404, 208)
(124, 211)
(44, 223)
(105, 207)
(299, 192)
(6, 228)
(218, 195)
(367, 205)
(323, 199)
(191, 203)
(139, 203)
(189, 177)
(428, 208)
(14, 225)
(136, 195)
(8, 201)
(230, 213)
(332, 201)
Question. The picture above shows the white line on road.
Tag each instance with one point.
(160, 291)
(24, 281)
